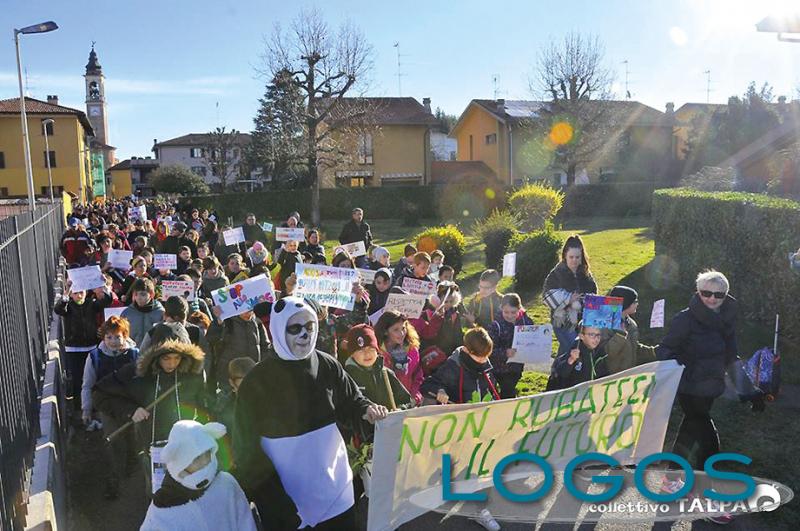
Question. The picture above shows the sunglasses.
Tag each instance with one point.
(716, 294)
(297, 328)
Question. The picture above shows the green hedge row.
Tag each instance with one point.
(613, 200)
(388, 202)
(748, 237)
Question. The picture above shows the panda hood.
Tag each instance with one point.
(292, 347)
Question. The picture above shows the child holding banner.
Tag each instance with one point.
(585, 361)
(399, 345)
(505, 370)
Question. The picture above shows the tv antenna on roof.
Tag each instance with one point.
(627, 92)
(496, 85)
(708, 85)
(399, 72)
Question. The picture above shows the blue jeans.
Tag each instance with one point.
(566, 337)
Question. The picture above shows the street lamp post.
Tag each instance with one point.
(45, 123)
(38, 28)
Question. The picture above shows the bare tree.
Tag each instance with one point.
(326, 65)
(222, 154)
(571, 78)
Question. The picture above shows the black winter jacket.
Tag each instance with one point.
(80, 320)
(463, 379)
(352, 233)
(235, 338)
(704, 342)
(591, 365)
(502, 334)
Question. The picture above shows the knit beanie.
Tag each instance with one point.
(257, 253)
(628, 295)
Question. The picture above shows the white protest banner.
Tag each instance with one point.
(120, 259)
(367, 275)
(108, 312)
(355, 249)
(286, 234)
(533, 343)
(181, 288)
(165, 261)
(410, 305)
(329, 286)
(624, 415)
(657, 317)
(266, 227)
(138, 213)
(510, 265)
(233, 236)
(167, 220)
(419, 287)
(243, 296)
(86, 278)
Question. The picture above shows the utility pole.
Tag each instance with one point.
(496, 85)
(627, 92)
(708, 85)
(399, 72)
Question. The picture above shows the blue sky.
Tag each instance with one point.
(169, 63)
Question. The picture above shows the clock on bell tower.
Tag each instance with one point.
(96, 105)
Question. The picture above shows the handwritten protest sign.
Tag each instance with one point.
(602, 312)
(367, 275)
(410, 305)
(286, 234)
(510, 265)
(165, 261)
(138, 213)
(329, 286)
(266, 227)
(419, 287)
(86, 278)
(167, 220)
(657, 317)
(355, 249)
(181, 288)
(108, 312)
(533, 343)
(233, 236)
(624, 415)
(243, 296)
(120, 259)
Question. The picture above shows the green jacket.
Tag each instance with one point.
(623, 348)
(373, 386)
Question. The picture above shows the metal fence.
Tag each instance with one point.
(29, 257)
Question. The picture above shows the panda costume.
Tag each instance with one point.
(290, 457)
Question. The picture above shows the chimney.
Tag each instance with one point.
(781, 100)
(670, 107)
(52, 99)
(501, 105)
(426, 102)
(155, 141)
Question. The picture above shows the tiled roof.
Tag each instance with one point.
(629, 112)
(136, 162)
(461, 172)
(198, 139)
(390, 111)
(34, 106)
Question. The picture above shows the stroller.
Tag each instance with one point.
(759, 378)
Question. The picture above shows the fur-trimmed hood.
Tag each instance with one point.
(191, 362)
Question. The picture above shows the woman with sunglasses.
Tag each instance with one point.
(702, 338)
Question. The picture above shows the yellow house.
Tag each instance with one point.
(67, 137)
(393, 149)
(130, 177)
(498, 133)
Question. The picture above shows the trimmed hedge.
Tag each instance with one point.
(748, 237)
(449, 240)
(496, 231)
(613, 200)
(378, 202)
(535, 205)
(537, 253)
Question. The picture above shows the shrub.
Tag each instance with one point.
(711, 179)
(449, 240)
(537, 253)
(536, 204)
(617, 200)
(496, 231)
(176, 179)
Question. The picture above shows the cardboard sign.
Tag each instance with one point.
(233, 236)
(533, 343)
(602, 312)
(108, 312)
(165, 261)
(120, 259)
(510, 265)
(409, 305)
(416, 286)
(243, 296)
(367, 275)
(657, 317)
(181, 288)
(266, 227)
(329, 286)
(86, 278)
(158, 469)
(355, 249)
(286, 234)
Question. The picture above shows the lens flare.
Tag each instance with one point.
(465, 213)
(561, 133)
(426, 244)
(490, 194)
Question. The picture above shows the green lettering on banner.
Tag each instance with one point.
(470, 420)
(634, 431)
(605, 394)
(602, 436)
(472, 460)
(562, 406)
(552, 441)
(591, 409)
(620, 382)
(649, 388)
(405, 437)
(481, 470)
(435, 430)
(517, 419)
(534, 421)
(566, 437)
(636, 381)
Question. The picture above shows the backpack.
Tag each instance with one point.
(431, 359)
(764, 370)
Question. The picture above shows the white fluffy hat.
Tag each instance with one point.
(189, 439)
